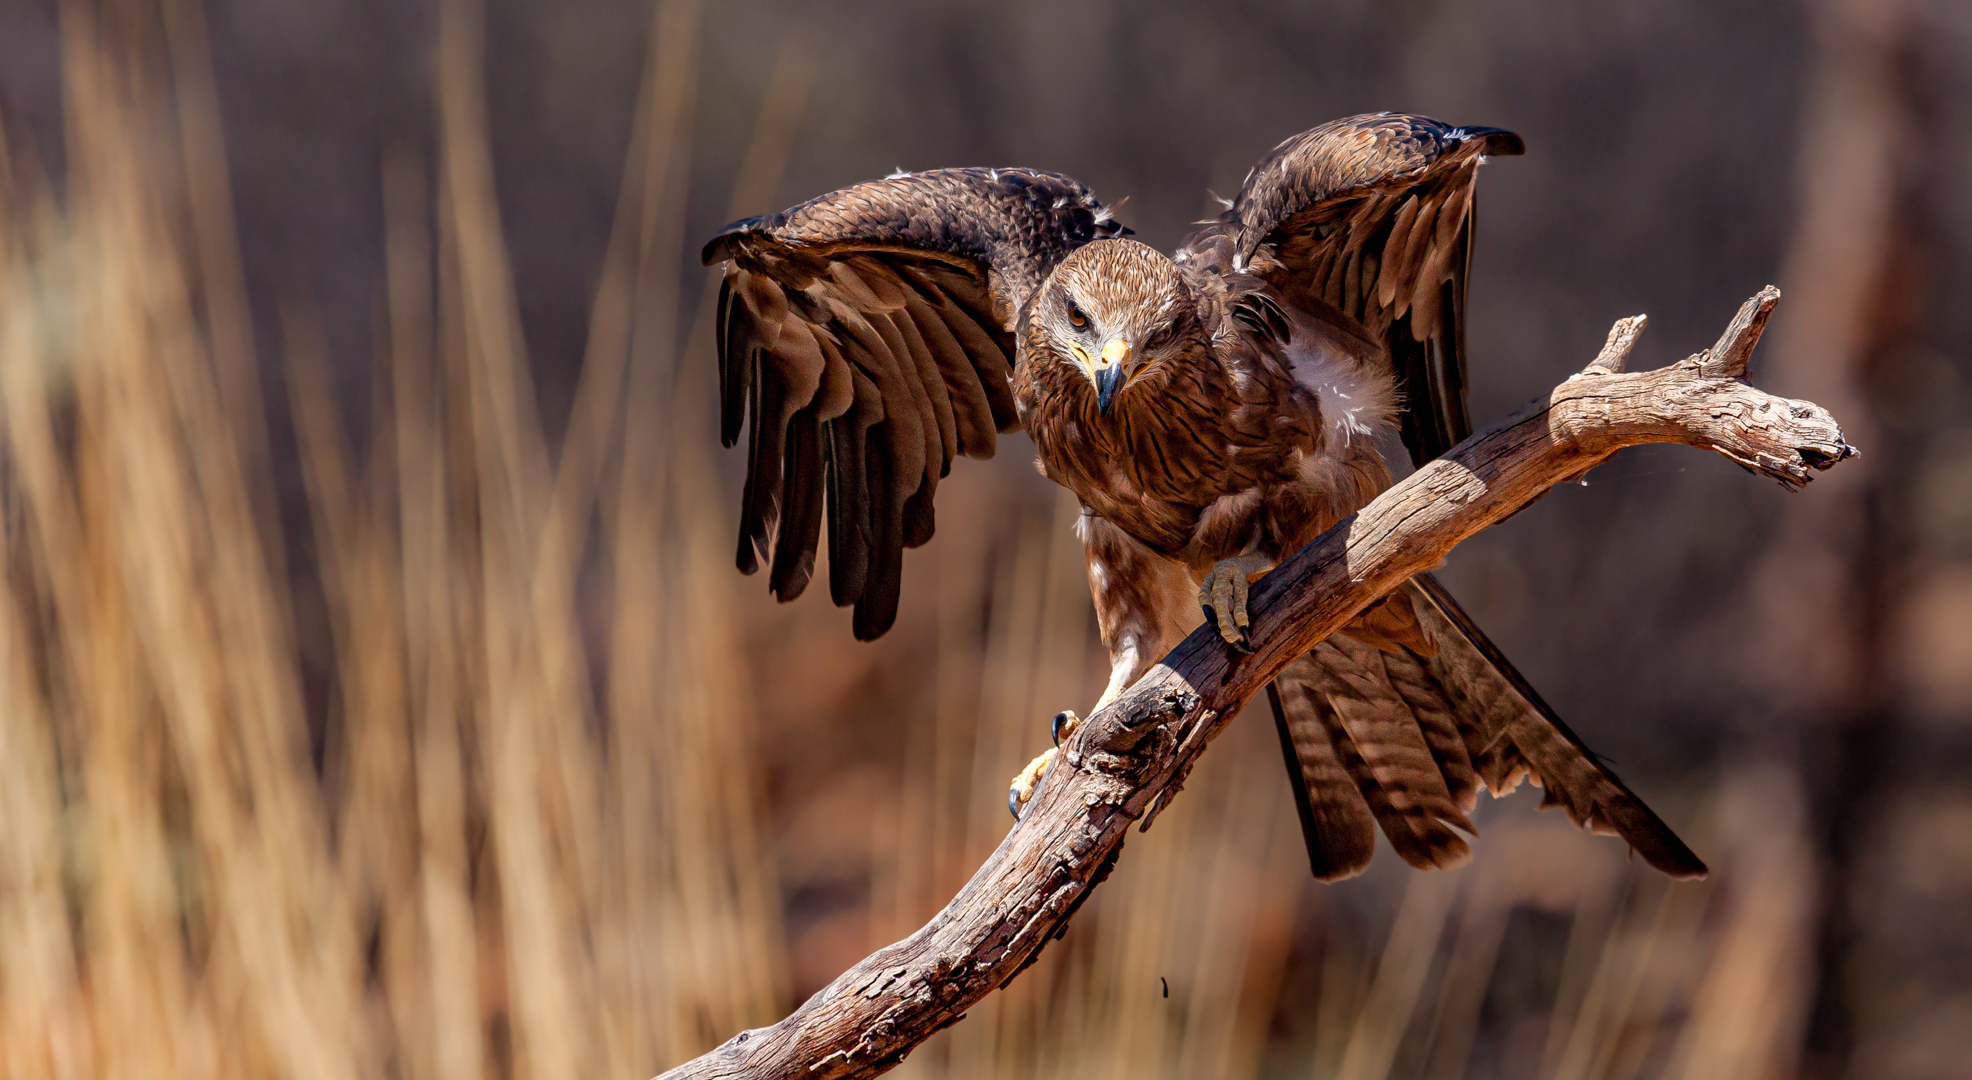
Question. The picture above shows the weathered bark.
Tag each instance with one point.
(1131, 758)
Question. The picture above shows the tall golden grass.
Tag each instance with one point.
(479, 858)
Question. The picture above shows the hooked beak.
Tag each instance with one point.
(1108, 374)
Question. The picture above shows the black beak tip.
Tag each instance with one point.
(1108, 380)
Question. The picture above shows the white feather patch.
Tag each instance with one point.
(1357, 397)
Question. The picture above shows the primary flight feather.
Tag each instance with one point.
(1213, 410)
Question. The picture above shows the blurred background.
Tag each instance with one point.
(377, 697)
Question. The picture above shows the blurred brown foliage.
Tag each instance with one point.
(377, 698)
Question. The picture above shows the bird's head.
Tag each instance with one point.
(1111, 309)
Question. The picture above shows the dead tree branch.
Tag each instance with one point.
(1128, 760)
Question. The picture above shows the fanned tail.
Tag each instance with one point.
(1402, 736)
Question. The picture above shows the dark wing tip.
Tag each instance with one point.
(873, 617)
(1493, 142)
(720, 247)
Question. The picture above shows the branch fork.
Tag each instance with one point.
(1129, 759)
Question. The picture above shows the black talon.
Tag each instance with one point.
(1243, 646)
(1013, 803)
(1054, 729)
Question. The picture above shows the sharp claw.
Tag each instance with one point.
(1027, 784)
(1227, 589)
(1223, 624)
(1062, 719)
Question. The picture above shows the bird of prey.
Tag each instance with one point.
(1213, 410)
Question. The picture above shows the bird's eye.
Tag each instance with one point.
(1076, 319)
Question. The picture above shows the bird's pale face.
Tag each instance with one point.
(1112, 309)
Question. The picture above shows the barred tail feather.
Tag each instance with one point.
(1402, 737)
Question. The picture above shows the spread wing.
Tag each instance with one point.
(1370, 217)
(865, 341)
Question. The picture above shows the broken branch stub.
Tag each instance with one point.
(1133, 755)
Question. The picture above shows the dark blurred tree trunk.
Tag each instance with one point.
(1855, 277)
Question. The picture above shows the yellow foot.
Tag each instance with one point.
(1223, 595)
(1029, 779)
(1065, 723)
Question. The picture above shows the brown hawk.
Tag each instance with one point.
(1213, 411)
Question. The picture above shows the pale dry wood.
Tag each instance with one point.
(1130, 758)
(1615, 354)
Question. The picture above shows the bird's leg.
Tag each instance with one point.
(1126, 663)
(1223, 595)
(1143, 607)
(1065, 724)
